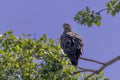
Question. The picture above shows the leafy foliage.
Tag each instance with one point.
(89, 17)
(96, 77)
(113, 7)
(18, 55)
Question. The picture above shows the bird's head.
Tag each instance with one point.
(67, 27)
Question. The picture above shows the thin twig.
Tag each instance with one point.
(84, 70)
(101, 11)
(91, 60)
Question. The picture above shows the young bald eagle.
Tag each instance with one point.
(71, 43)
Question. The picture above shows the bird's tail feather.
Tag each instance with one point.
(73, 59)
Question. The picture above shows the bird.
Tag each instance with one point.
(71, 43)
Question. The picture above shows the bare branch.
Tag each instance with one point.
(91, 60)
(101, 11)
(86, 69)
(104, 66)
(109, 63)
(83, 70)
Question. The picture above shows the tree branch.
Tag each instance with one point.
(91, 60)
(109, 63)
(104, 66)
(101, 11)
(84, 70)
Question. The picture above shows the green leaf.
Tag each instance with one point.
(78, 74)
(106, 79)
(1, 51)
(51, 40)
(17, 48)
(113, 13)
(98, 23)
(17, 65)
(114, 2)
(101, 75)
(90, 23)
(108, 5)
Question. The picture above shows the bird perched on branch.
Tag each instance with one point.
(71, 43)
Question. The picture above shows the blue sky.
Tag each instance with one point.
(47, 16)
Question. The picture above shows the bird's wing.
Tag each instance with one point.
(73, 35)
(72, 45)
(71, 41)
(76, 38)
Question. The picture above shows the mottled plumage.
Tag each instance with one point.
(71, 43)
